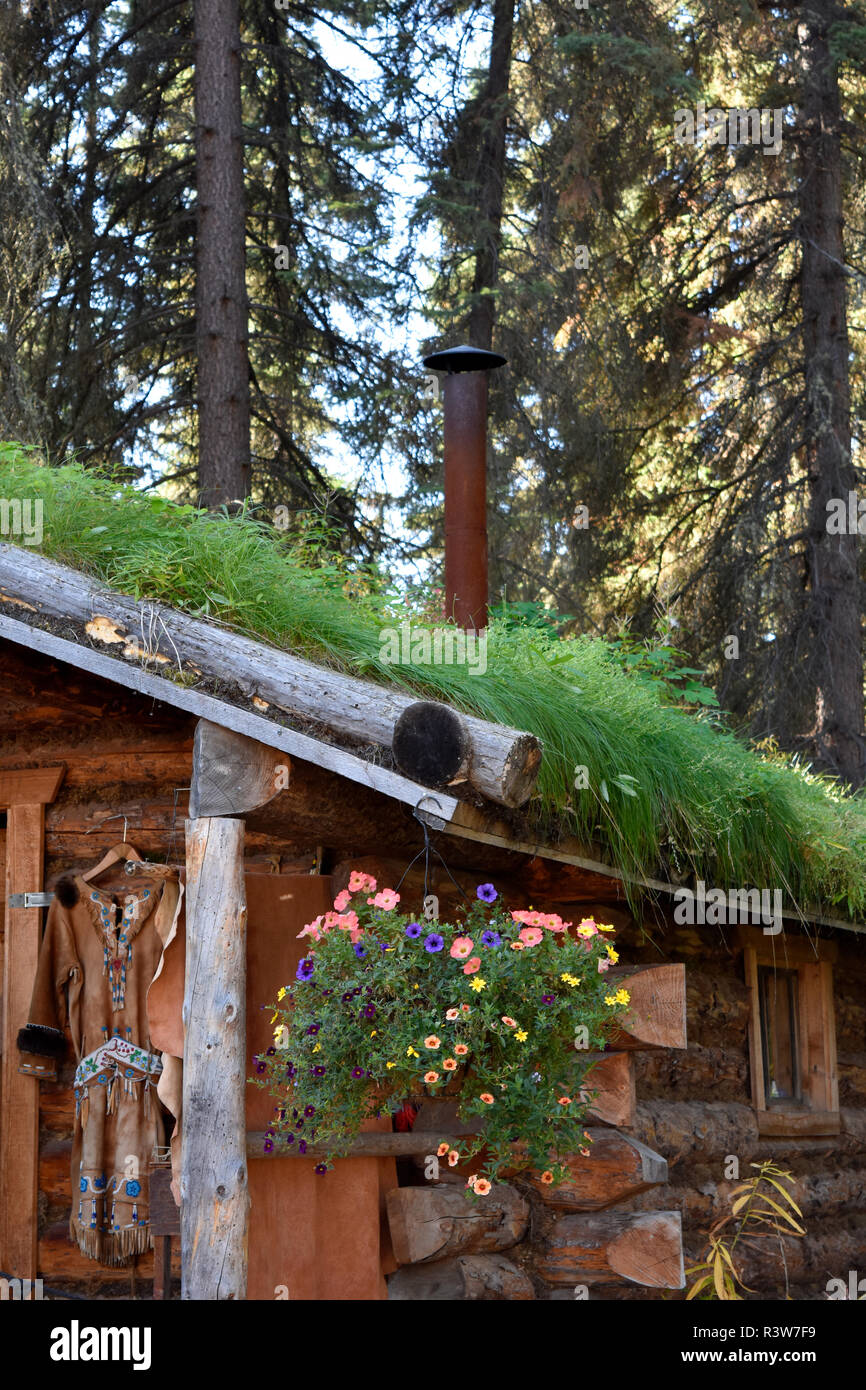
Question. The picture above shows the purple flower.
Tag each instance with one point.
(369, 1011)
(305, 970)
(314, 1027)
(357, 1071)
(260, 1067)
(347, 996)
(318, 1071)
(433, 942)
(491, 938)
(268, 1146)
(302, 1146)
(309, 1109)
(486, 892)
(383, 945)
(321, 1168)
(290, 1072)
(271, 1052)
(357, 990)
(289, 1138)
(359, 950)
(413, 931)
(547, 998)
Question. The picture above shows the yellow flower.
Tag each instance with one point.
(622, 996)
(273, 1017)
(410, 1052)
(281, 993)
(477, 983)
(317, 1047)
(374, 1033)
(601, 928)
(521, 1035)
(612, 955)
(389, 1065)
(570, 979)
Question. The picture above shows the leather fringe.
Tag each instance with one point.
(110, 1247)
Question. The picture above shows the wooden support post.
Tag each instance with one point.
(214, 1195)
(24, 795)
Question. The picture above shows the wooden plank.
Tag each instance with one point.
(32, 787)
(436, 1221)
(786, 951)
(255, 726)
(798, 1123)
(213, 1186)
(231, 774)
(616, 1168)
(657, 1012)
(642, 1248)
(504, 764)
(756, 1059)
(19, 1136)
(373, 1145)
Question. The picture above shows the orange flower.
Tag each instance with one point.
(547, 1177)
(461, 1049)
(359, 882)
(517, 946)
(442, 1150)
(486, 1097)
(482, 1187)
(509, 1022)
(453, 1158)
(564, 1100)
(584, 1153)
(465, 1009)
(472, 965)
(432, 1041)
(449, 1064)
(451, 1014)
(430, 1077)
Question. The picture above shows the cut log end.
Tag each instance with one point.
(431, 744)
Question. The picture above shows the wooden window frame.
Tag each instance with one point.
(812, 960)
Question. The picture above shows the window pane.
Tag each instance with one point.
(778, 995)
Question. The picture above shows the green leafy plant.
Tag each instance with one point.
(497, 1009)
(659, 665)
(760, 1210)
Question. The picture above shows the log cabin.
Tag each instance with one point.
(265, 778)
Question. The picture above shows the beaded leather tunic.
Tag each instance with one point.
(98, 957)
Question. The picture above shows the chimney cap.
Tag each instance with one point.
(465, 359)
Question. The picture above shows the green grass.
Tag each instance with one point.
(701, 800)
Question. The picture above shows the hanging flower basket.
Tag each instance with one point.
(497, 1009)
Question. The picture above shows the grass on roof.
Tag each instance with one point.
(699, 798)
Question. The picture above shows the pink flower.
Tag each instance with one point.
(530, 936)
(587, 928)
(472, 965)
(509, 1022)
(311, 929)
(387, 899)
(332, 919)
(348, 921)
(342, 900)
(554, 922)
(603, 965)
(520, 916)
(461, 947)
(361, 883)
(451, 1014)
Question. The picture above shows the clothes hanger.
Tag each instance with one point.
(123, 851)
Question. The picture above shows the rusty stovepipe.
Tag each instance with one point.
(465, 409)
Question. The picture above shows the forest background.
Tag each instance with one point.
(683, 322)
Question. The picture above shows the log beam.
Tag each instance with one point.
(618, 1167)
(214, 1194)
(644, 1249)
(232, 774)
(504, 762)
(437, 1221)
(657, 1012)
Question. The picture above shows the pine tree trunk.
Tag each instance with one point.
(833, 600)
(221, 296)
(493, 117)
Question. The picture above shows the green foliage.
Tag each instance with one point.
(760, 1210)
(659, 665)
(499, 1014)
(663, 789)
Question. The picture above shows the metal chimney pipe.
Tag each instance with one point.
(465, 409)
